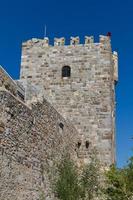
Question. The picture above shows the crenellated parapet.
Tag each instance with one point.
(104, 39)
(46, 41)
(64, 102)
(59, 41)
(89, 39)
(74, 41)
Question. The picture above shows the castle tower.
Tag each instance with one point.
(79, 81)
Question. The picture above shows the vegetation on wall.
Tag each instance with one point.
(86, 185)
(67, 185)
(73, 184)
(119, 182)
(90, 179)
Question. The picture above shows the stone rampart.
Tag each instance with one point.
(32, 142)
(15, 87)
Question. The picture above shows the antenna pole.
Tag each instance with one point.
(45, 31)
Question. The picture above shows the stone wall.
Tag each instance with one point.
(32, 142)
(86, 98)
(15, 87)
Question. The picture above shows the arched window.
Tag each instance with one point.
(66, 71)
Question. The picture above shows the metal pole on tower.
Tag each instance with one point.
(45, 34)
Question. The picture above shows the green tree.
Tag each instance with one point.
(90, 179)
(41, 196)
(67, 185)
(129, 178)
(116, 184)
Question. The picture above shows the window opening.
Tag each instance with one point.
(61, 125)
(87, 144)
(79, 144)
(66, 71)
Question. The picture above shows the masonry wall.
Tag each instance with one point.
(15, 87)
(32, 142)
(87, 98)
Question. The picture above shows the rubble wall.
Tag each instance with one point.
(32, 142)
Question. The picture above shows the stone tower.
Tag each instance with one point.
(79, 81)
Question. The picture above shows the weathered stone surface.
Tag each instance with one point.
(30, 147)
(2, 127)
(87, 97)
(44, 115)
(15, 87)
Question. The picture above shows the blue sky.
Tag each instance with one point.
(24, 19)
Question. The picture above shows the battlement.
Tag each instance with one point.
(78, 80)
(74, 41)
(64, 102)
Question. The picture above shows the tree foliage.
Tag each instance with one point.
(129, 176)
(90, 179)
(120, 182)
(116, 186)
(72, 185)
(67, 186)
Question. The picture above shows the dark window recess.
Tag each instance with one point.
(12, 115)
(61, 125)
(87, 144)
(42, 178)
(7, 87)
(79, 144)
(20, 95)
(66, 71)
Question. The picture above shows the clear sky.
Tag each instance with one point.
(23, 19)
